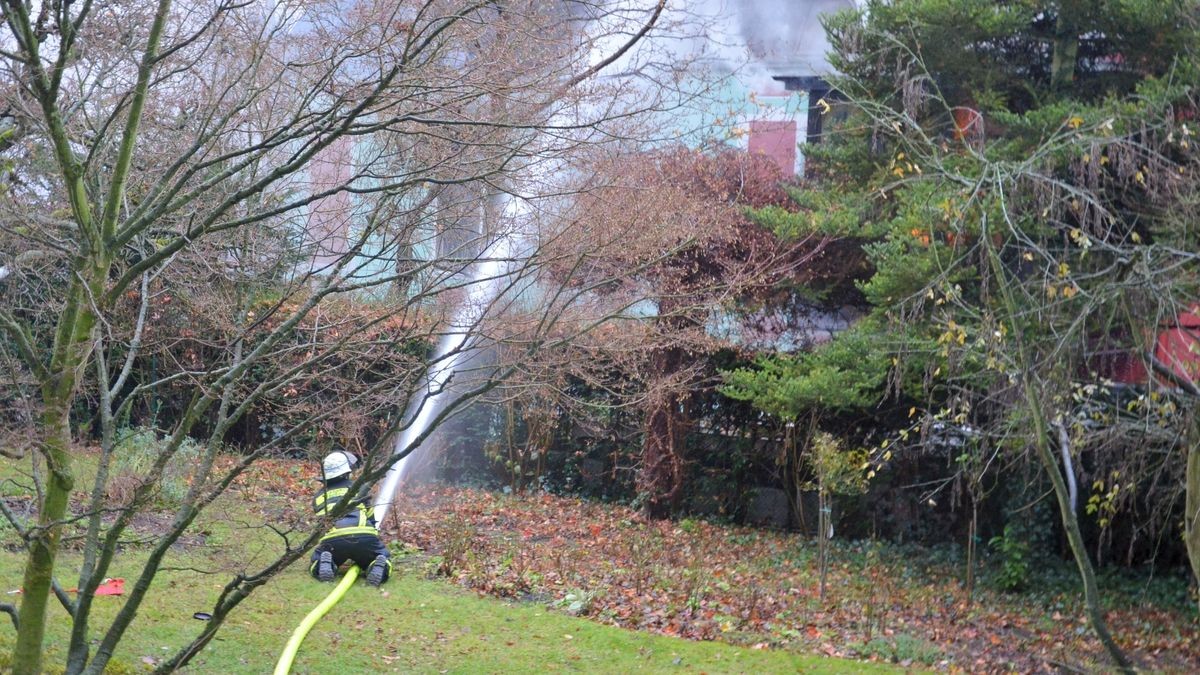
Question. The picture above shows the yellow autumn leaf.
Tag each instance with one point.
(1137, 238)
(1069, 291)
(1075, 122)
(1027, 256)
(1064, 270)
(1051, 291)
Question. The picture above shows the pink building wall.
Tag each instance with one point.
(777, 140)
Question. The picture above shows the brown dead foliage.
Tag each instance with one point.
(741, 585)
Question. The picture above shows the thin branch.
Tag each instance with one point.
(1064, 447)
(612, 58)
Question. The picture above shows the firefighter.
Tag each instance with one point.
(354, 535)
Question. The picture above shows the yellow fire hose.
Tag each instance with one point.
(289, 652)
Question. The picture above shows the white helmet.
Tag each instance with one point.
(338, 463)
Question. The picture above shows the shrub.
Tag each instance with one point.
(1014, 559)
(577, 602)
(458, 540)
(136, 451)
(904, 649)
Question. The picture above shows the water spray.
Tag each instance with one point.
(485, 284)
(487, 281)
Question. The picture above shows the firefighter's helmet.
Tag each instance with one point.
(338, 463)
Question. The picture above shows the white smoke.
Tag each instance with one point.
(760, 39)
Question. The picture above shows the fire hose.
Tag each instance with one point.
(284, 666)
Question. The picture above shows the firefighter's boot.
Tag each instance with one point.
(325, 569)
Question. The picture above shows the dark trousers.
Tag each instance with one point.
(361, 548)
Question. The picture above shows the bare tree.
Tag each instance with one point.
(204, 154)
(691, 258)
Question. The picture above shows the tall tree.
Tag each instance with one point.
(1023, 176)
(695, 262)
(161, 150)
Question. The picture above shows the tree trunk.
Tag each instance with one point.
(660, 481)
(972, 535)
(1191, 516)
(823, 511)
(1091, 591)
(1062, 493)
(71, 343)
(1065, 48)
(661, 478)
(43, 543)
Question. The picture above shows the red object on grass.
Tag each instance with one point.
(111, 587)
(106, 587)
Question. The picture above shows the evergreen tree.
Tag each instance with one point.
(1023, 178)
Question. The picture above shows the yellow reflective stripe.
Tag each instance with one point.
(319, 503)
(347, 531)
(329, 494)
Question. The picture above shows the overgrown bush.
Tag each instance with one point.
(136, 451)
(903, 649)
(458, 539)
(1014, 553)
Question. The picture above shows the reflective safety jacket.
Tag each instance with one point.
(360, 519)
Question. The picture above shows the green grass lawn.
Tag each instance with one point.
(412, 624)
